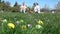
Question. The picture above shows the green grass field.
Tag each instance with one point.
(25, 23)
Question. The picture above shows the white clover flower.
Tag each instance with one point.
(4, 20)
(29, 25)
(38, 26)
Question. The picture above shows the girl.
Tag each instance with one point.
(37, 8)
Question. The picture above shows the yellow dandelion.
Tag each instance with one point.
(11, 25)
(40, 22)
(23, 27)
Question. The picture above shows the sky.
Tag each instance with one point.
(50, 3)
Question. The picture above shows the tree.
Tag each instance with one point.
(7, 3)
(5, 6)
(0, 1)
(46, 8)
(15, 7)
(2, 5)
(57, 7)
(16, 4)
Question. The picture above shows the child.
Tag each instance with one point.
(23, 8)
(37, 8)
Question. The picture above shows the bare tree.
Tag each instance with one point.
(0, 1)
(7, 3)
(46, 8)
(57, 6)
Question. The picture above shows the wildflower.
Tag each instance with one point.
(4, 20)
(40, 22)
(11, 25)
(38, 26)
(21, 20)
(29, 25)
(23, 27)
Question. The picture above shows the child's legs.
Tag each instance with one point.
(21, 10)
(38, 10)
(24, 10)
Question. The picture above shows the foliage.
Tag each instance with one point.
(5, 6)
(16, 7)
(26, 23)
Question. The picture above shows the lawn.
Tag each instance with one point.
(29, 23)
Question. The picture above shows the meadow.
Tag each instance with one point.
(29, 23)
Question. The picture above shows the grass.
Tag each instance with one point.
(51, 23)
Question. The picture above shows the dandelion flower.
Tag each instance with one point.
(11, 25)
(23, 27)
(40, 22)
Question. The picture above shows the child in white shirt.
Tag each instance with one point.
(23, 8)
(37, 8)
